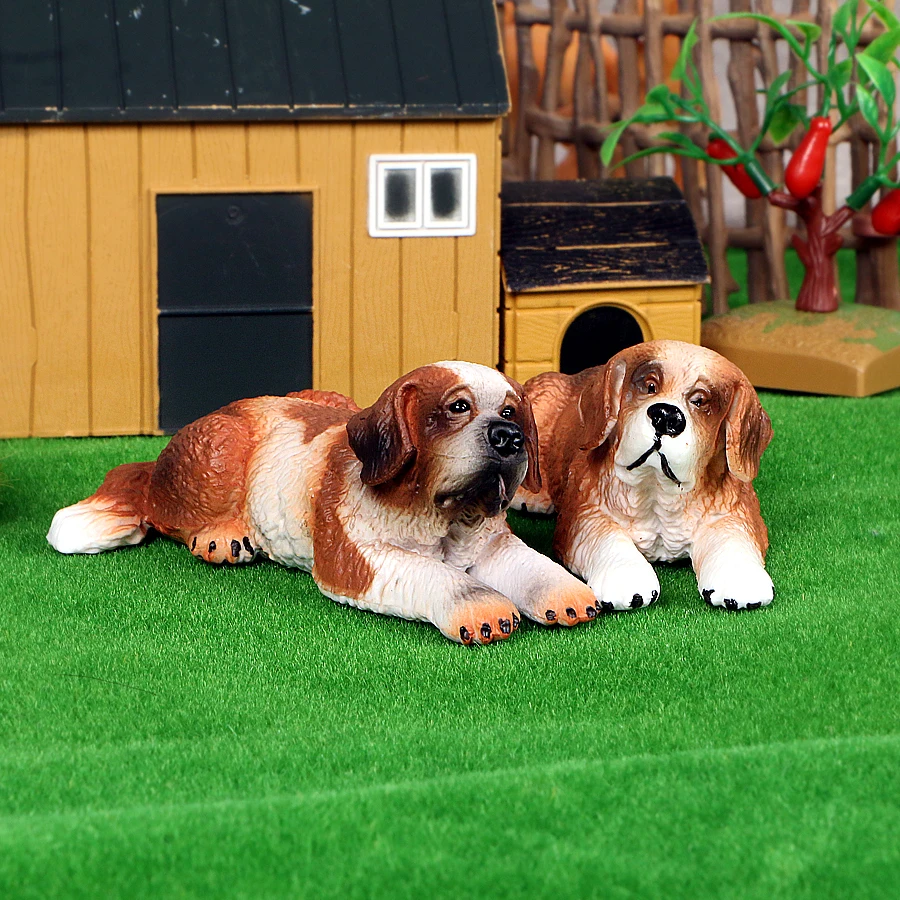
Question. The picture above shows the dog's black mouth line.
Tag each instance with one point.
(656, 448)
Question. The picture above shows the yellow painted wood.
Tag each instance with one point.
(478, 272)
(376, 341)
(220, 153)
(538, 333)
(674, 321)
(272, 153)
(57, 226)
(428, 270)
(526, 370)
(167, 164)
(115, 286)
(327, 165)
(588, 296)
(19, 336)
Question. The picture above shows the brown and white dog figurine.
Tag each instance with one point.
(398, 508)
(650, 458)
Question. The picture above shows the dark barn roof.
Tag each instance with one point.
(559, 234)
(238, 60)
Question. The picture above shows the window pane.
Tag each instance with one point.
(400, 195)
(446, 195)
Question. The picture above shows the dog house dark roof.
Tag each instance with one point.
(562, 234)
(234, 60)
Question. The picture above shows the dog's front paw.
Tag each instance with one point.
(624, 586)
(743, 586)
(482, 617)
(223, 545)
(570, 603)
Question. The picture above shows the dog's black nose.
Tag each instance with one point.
(666, 419)
(506, 438)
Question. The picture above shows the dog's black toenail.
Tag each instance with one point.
(637, 601)
(235, 549)
(606, 606)
(464, 634)
(505, 626)
(247, 545)
(486, 631)
(551, 615)
(731, 604)
(571, 613)
(654, 596)
(212, 546)
(754, 605)
(194, 544)
(707, 595)
(591, 612)
(515, 622)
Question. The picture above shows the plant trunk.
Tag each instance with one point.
(819, 291)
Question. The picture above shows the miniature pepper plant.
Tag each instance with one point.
(858, 83)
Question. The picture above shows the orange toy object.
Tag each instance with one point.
(399, 508)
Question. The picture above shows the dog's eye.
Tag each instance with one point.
(507, 412)
(699, 401)
(652, 387)
(460, 406)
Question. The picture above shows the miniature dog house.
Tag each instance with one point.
(591, 267)
(205, 201)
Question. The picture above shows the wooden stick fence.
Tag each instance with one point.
(637, 34)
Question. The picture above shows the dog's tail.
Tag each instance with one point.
(112, 517)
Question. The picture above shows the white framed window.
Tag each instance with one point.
(422, 195)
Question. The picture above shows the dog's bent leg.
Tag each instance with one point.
(597, 549)
(197, 494)
(730, 570)
(541, 589)
(387, 579)
(112, 517)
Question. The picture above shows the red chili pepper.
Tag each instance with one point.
(718, 148)
(886, 215)
(804, 171)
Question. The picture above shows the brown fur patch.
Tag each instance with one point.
(339, 567)
(315, 417)
(326, 398)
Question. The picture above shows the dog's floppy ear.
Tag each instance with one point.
(532, 480)
(748, 431)
(382, 435)
(599, 402)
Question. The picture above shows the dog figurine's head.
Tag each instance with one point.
(459, 436)
(671, 410)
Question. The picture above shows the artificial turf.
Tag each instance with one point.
(175, 729)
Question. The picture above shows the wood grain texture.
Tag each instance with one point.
(538, 332)
(327, 165)
(376, 347)
(673, 321)
(272, 154)
(58, 246)
(167, 165)
(115, 259)
(428, 270)
(19, 339)
(220, 154)
(477, 264)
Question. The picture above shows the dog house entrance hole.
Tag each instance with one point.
(595, 336)
(235, 300)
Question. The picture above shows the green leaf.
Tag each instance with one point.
(784, 120)
(883, 47)
(687, 47)
(884, 14)
(659, 94)
(841, 74)
(774, 89)
(868, 107)
(809, 31)
(609, 145)
(843, 16)
(881, 76)
(683, 144)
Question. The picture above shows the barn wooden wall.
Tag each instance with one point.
(78, 268)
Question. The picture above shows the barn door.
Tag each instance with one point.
(235, 300)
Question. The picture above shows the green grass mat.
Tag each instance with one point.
(172, 729)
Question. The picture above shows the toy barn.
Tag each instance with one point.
(205, 201)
